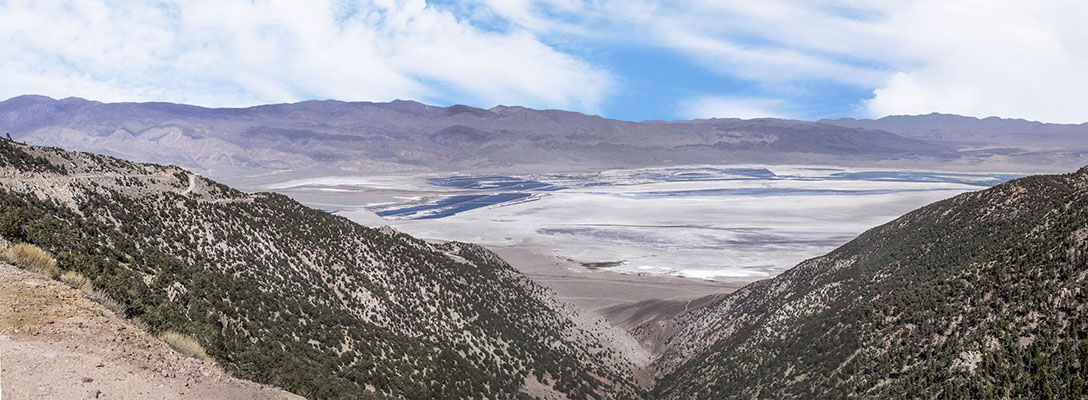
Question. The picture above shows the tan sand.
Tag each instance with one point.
(597, 290)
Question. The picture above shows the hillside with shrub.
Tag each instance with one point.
(978, 296)
(297, 298)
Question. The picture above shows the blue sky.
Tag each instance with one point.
(658, 81)
(660, 84)
(626, 59)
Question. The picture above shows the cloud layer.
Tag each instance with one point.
(1001, 57)
(1004, 58)
(786, 58)
(232, 53)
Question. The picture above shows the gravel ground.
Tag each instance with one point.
(57, 344)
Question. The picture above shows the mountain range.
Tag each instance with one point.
(334, 137)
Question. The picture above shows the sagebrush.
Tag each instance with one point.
(77, 280)
(33, 259)
(185, 345)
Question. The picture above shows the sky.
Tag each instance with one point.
(625, 59)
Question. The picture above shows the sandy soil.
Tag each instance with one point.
(56, 344)
(597, 290)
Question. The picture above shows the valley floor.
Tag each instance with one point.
(597, 290)
(637, 246)
(709, 222)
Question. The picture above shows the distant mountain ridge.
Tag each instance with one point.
(991, 131)
(942, 121)
(326, 137)
(360, 137)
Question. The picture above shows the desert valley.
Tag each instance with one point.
(625, 254)
(543, 199)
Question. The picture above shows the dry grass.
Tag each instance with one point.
(77, 280)
(140, 324)
(33, 259)
(106, 301)
(185, 344)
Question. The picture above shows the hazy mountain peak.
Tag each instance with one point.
(408, 135)
(30, 98)
(463, 109)
(503, 109)
(408, 107)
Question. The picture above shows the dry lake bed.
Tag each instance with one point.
(721, 223)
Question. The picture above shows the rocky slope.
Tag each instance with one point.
(285, 295)
(979, 296)
(55, 343)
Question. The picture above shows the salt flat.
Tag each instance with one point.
(709, 222)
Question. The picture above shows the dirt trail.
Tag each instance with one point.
(56, 344)
(192, 185)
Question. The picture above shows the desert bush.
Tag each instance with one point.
(33, 259)
(77, 280)
(106, 301)
(185, 345)
(140, 324)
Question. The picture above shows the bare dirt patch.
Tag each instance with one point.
(55, 343)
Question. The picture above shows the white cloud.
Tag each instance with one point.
(772, 42)
(994, 57)
(975, 57)
(724, 107)
(775, 42)
(231, 53)
(1003, 58)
